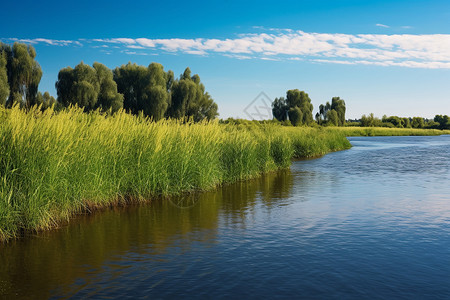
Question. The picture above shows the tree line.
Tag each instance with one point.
(438, 122)
(137, 89)
(296, 109)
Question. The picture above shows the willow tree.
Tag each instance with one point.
(78, 86)
(279, 109)
(333, 118)
(300, 99)
(145, 89)
(156, 95)
(338, 105)
(131, 81)
(295, 116)
(108, 97)
(4, 86)
(88, 87)
(417, 122)
(24, 73)
(189, 99)
(45, 100)
(443, 120)
(332, 114)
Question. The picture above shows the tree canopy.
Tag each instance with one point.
(297, 106)
(23, 72)
(332, 114)
(189, 99)
(300, 99)
(157, 94)
(280, 109)
(443, 121)
(88, 87)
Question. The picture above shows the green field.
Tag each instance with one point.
(384, 131)
(55, 165)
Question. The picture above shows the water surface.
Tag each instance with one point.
(370, 222)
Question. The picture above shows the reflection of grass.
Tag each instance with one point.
(384, 131)
(55, 165)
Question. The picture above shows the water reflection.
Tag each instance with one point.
(36, 265)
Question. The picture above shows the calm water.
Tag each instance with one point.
(371, 222)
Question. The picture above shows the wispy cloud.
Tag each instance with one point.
(400, 50)
(135, 47)
(46, 41)
(382, 25)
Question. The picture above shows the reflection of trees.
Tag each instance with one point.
(241, 198)
(277, 188)
(37, 265)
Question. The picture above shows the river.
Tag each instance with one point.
(372, 222)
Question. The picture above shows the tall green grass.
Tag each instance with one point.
(384, 131)
(55, 165)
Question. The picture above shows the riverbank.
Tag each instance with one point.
(56, 165)
(383, 131)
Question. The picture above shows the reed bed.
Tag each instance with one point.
(55, 165)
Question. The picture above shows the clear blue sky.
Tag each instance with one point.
(385, 57)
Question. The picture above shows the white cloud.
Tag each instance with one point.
(382, 25)
(135, 47)
(401, 50)
(49, 42)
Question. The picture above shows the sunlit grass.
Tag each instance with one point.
(55, 165)
(384, 131)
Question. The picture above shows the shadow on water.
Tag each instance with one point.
(35, 266)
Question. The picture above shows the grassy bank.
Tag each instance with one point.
(53, 166)
(384, 131)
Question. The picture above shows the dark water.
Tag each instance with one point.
(371, 222)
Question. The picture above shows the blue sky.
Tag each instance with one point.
(385, 57)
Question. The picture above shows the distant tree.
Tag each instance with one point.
(370, 121)
(417, 122)
(45, 100)
(295, 116)
(206, 109)
(321, 116)
(431, 124)
(338, 105)
(24, 73)
(406, 123)
(280, 109)
(365, 122)
(338, 116)
(443, 120)
(318, 118)
(4, 86)
(300, 99)
(333, 118)
(394, 120)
